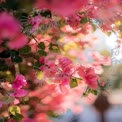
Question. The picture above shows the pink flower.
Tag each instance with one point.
(35, 22)
(88, 76)
(97, 67)
(19, 93)
(102, 84)
(42, 117)
(65, 81)
(66, 65)
(18, 42)
(62, 89)
(100, 59)
(62, 7)
(16, 101)
(42, 59)
(9, 26)
(51, 71)
(19, 82)
(28, 120)
(74, 21)
(108, 7)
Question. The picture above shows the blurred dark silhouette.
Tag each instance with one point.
(101, 104)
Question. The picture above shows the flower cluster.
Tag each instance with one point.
(10, 29)
(64, 71)
(17, 91)
(59, 72)
(88, 76)
(17, 85)
(62, 7)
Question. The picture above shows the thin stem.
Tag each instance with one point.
(34, 38)
(84, 93)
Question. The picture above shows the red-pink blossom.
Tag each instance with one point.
(9, 26)
(65, 65)
(51, 72)
(42, 59)
(18, 42)
(10, 29)
(19, 82)
(65, 80)
(42, 117)
(100, 59)
(59, 71)
(63, 7)
(88, 76)
(16, 101)
(35, 22)
(102, 84)
(74, 21)
(19, 93)
(108, 7)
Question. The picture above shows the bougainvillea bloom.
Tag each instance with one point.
(63, 7)
(18, 42)
(108, 7)
(19, 93)
(88, 76)
(66, 65)
(9, 26)
(10, 29)
(35, 21)
(19, 82)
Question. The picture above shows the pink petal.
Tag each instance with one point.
(19, 42)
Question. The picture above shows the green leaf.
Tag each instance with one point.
(52, 114)
(5, 54)
(120, 28)
(17, 116)
(25, 50)
(36, 65)
(95, 92)
(16, 59)
(84, 20)
(15, 56)
(23, 17)
(89, 90)
(42, 53)
(73, 83)
(85, 94)
(4, 67)
(41, 45)
(53, 47)
(92, 91)
(2, 62)
(14, 52)
(46, 13)
(93, 25)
